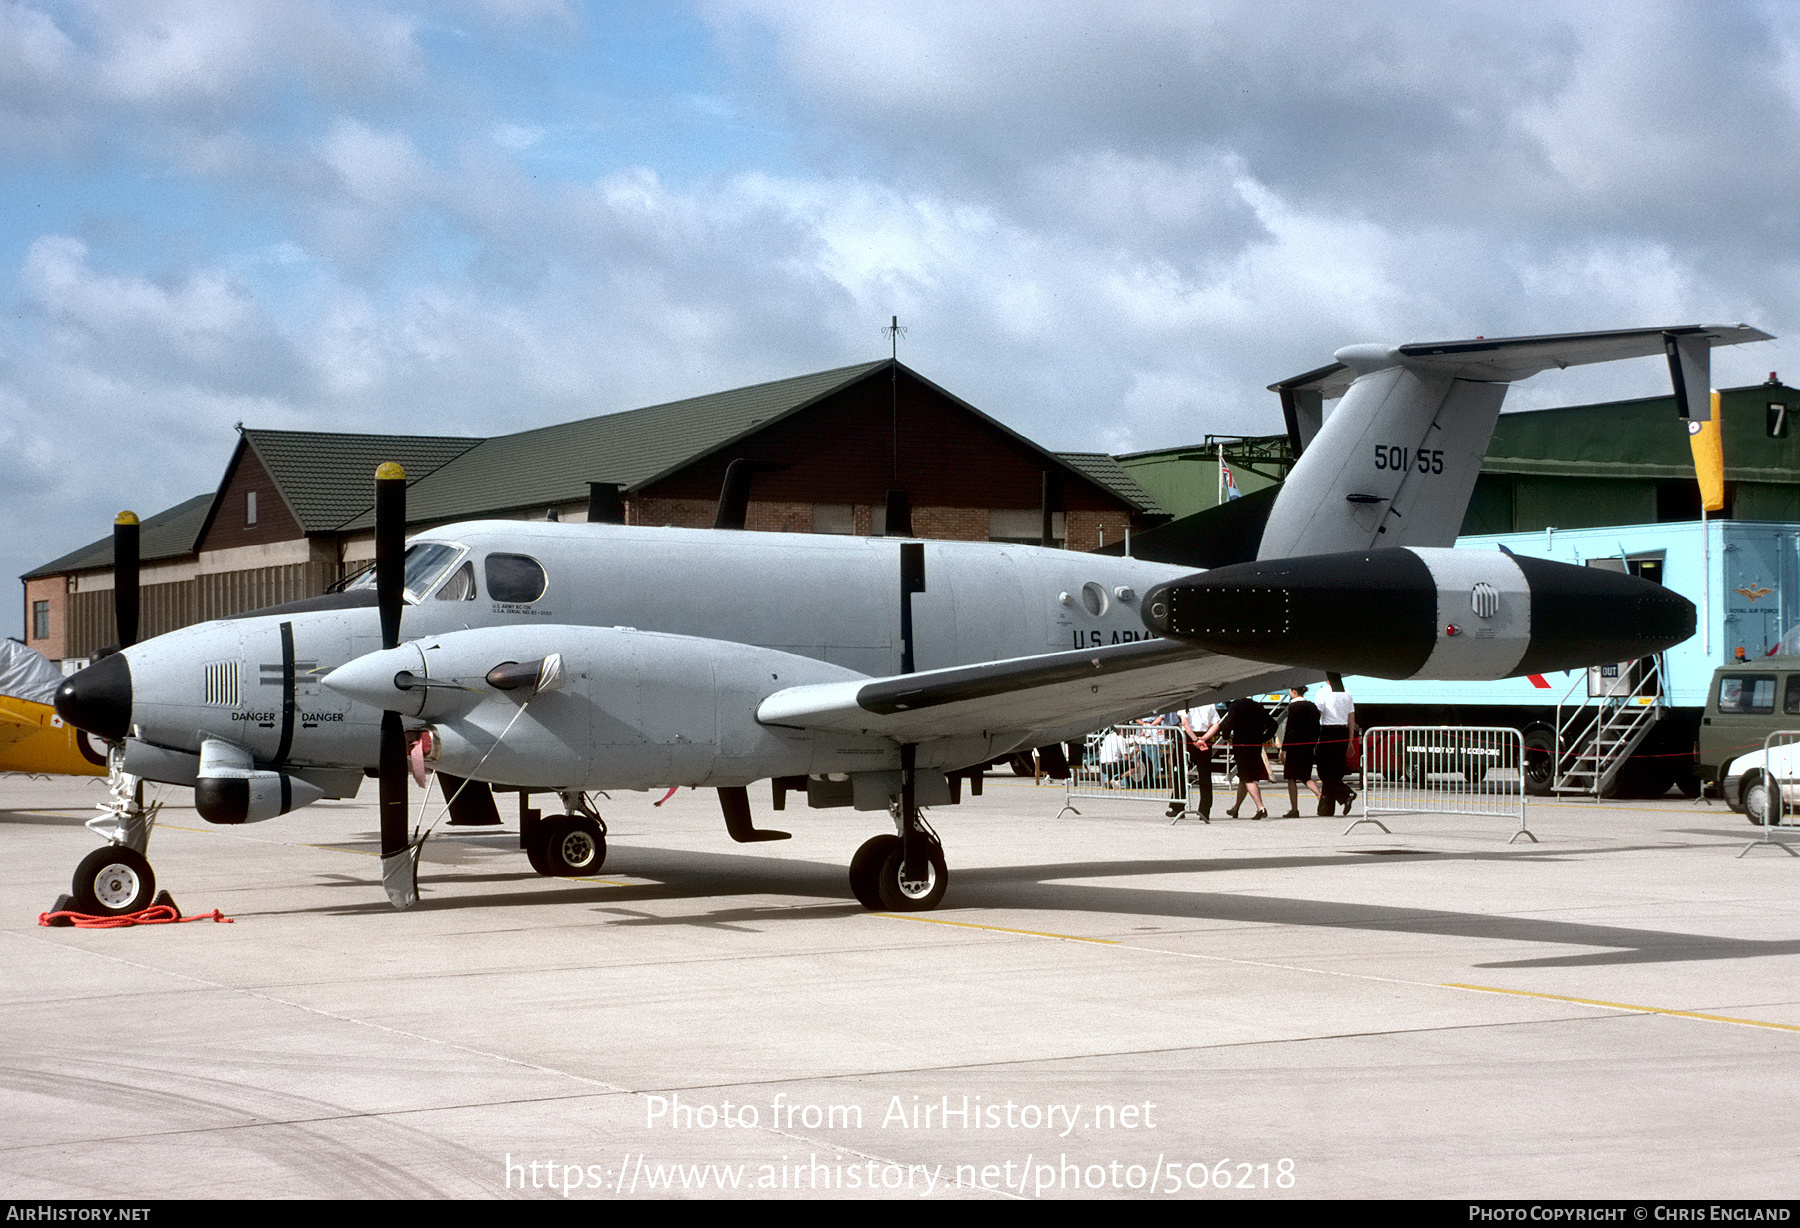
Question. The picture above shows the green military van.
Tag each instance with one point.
(1748, 701)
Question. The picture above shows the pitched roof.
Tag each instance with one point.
(168, 534)
(328, 478)
(554, 464)
(1106, 472)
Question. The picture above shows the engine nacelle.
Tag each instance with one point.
(1464, 615)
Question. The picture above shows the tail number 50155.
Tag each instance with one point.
(1393, 456)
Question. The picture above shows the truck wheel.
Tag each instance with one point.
(1539, 770)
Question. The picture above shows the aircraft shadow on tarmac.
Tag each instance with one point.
(685, 875)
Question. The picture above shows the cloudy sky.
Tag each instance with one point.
(1109, 225)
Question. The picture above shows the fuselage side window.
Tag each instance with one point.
(515, 578)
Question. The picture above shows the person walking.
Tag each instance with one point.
(1299, 747)
(1248, 724)
(1337, 725)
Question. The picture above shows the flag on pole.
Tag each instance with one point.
(1231, 486)
(1709, 459)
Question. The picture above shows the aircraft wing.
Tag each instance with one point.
(15, 727)
(1050, 692)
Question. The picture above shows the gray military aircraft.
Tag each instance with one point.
(868, 672)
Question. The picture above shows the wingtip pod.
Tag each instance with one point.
(1421, 613)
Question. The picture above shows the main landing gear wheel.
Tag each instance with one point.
(865, 870)
(875, 877)
(570, 846)
(898, 895)
(111, 882)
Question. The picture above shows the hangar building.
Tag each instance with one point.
(293, 511)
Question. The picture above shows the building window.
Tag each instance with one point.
(40, 620)
(250, 507)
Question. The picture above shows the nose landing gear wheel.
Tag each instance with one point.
(572, 846)
(111, 882)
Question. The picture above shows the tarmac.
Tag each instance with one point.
(1107, 1005)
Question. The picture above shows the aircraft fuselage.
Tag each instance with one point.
(834, 602)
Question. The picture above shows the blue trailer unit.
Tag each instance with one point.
(1743, 578)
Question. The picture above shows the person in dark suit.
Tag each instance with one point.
(1248, 725)
(1299, 747)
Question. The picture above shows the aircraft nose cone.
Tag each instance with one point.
(98, 699)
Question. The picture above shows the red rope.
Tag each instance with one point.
(156, 914)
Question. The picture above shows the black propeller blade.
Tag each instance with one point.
(125, 577)
(399, 869)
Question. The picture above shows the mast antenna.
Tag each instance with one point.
(895, 330)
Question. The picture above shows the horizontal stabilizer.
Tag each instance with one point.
(1507, 359)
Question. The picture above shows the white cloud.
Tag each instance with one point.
(1111, 226)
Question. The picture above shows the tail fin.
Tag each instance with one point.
(1397, 461)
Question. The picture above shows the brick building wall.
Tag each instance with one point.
(53, 590)
(957, 524)
(681, 513)
(1089, 530)
(777, 517)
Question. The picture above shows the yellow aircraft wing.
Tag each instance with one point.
(34, 739)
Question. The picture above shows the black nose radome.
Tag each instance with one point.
(98, 699)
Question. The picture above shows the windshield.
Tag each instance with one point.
(426, 563)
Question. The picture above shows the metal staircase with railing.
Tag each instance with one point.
(1596, 734)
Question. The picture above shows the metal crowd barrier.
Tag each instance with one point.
(1131, 762)
(1780, 789)
(1443, 769)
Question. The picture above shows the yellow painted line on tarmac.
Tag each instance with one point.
(1627, 1006)
(998, 929)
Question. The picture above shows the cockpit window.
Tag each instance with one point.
(460, 586)
(425, 563)
(514, 578)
